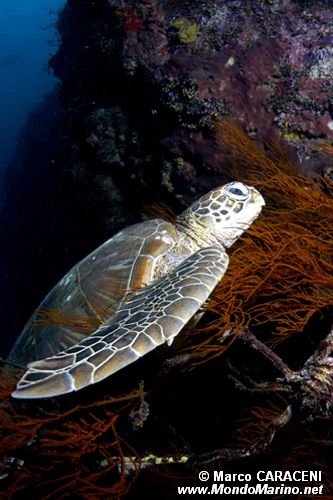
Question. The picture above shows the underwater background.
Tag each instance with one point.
(28, 38)
(150, 104)
(29, 120)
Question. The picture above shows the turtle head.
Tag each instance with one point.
(223, 214)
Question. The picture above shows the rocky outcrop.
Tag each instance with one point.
(142, 82)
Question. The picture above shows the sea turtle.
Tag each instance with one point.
(143, 285)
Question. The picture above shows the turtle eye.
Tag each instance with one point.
(237, 190)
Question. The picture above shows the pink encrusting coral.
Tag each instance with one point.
(270, 64)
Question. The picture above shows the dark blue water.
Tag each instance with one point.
(30, 123)
(27, 38)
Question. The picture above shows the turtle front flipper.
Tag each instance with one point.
(152, 316)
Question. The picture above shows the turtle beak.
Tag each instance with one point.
(258, 198)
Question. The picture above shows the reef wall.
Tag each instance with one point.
(142, 81)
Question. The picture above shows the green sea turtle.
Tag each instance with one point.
(143, 286)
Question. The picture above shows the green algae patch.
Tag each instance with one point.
(187, 30)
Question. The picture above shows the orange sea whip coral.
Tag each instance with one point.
(48, 316)
(62, 451)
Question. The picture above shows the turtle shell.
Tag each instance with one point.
(92, 291)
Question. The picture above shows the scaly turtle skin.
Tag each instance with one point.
(143, 286)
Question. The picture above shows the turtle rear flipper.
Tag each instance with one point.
(149, 318)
